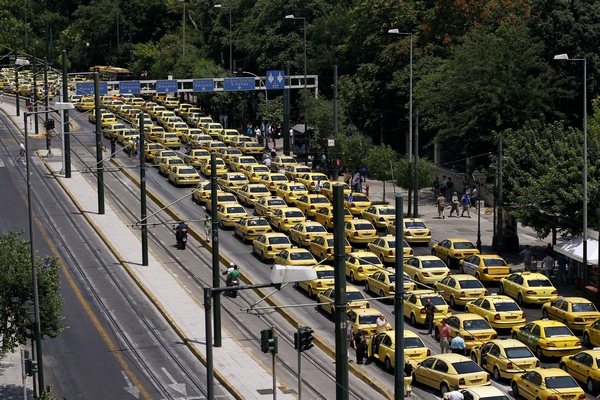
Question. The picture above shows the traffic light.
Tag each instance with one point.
(240, 71)
(50, 124)
(268, 341)
(303, 339)
(31, 366)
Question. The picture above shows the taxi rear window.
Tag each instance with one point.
(466, 367)
(494, 262)
(539, 283)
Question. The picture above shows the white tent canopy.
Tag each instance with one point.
(573, 248)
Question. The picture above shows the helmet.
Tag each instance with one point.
(231, 265)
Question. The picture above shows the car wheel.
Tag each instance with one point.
(352, 277)
(444, 389)
(244, 240)
(310, 292)
(413, 319)
(544, 313)
(515, 389)
(500, 289)
(497, 373)
(452, 302)
(367, 286)
(437, 334)
(388, 365)
(514, 335)
(280, 230)
(323, 256)
(416, 279)
(590, 386)
(382, 259)
(586, 340)
(477, 276)
(467, 310)
(461, 270)
(262, 255)
(539, 353)
(474, 357)
(520, 300)
(381, 294)
(433, 252)
(563, 366)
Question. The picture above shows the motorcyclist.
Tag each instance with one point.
(182, 226)
(188, 148)
(233, 277)
(228, 271)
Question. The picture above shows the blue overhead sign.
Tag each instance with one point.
(166, 86)
(238, 84)
(275, 79)
(88, 88)
(129, 87)
(204, 85)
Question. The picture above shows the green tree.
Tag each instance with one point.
(351, 149)
(16, 287)
(272, 110)
(380, 163)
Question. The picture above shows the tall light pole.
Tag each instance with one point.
(410, 107)
(183, 37)
(291, 16)
(480, 178)
(585, 191)
(230, 38)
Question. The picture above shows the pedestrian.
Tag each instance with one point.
(1, 96)
(356, 182)
(440, 202)
(548, 264)
(319, 187)
(526, 254)
(349, 337)
(455, 204)
(249, 130)
(408, 377)
(350, 198)
(458, 345)
(381, 323)
(21, 149)
(445, 337)
(449, 188)
(436, 185)
(443, 186)
(274, 150)
(281, 168)
(474, 195)
(363, 174)
(455, 394)
(137, 147)
(113, 147)
(207, 227)
(430, 310)
(267, 161)
(561, 274)
(360, 345)
(466, 204)
(533, 264)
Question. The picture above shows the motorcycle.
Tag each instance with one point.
(181, 237)
(233, 293)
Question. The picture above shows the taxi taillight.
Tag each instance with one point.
(550, 344)
(552, 398)
(422, 310)
(312, 207)
(449, 310)
(523, 316)
(307, 237)
(578, 343)
(554, 292)
(509, 365)
(428, 352)
(360, 269)
(285, 221)
(270, 248)
(495, 336)
(537, 363)
(462, 294)
(381, 219)
(578, 319)
(531, 292)
(497, 317)
(458, 255)
(461, 381)
(355, 233)
(407, 233)
(390, 252)
(582, 397)
(319, 284)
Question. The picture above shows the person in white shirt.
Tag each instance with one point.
(455, 394)
(268, 162)
(381, 324)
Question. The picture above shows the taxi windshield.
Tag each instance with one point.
(279, 240)
(557, 331)
(237, 177)
(584, 307)
(476, 324)
(463, 245)
(316, 228)
(560, 382)
(276, 203)
(363, 226)
(494, 262)
(518, 352)
(466, 367)
(301, 256)
(354, 296)
(235, 210)
(539, 283)
(320, 200)
(412, 342)
(470, 284)
(436, 300)
(358, 198)
(294, 214)
(367, 319)
(258, 222)
(295, 188)
(278, 178)
(259, 189)
(386, 211)
(414, 225)
(507, 306)
(433, 264)
(368, 260)
(187, 171)
(327, 274)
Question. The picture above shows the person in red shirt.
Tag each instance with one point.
(445, 337)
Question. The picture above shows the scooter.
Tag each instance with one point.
(181, 237)
(233, 293)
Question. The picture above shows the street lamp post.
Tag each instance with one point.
(230, 38)
(480, 178)
(585, 190)
(183, 36)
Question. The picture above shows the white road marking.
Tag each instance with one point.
(132, 390)
(180, 387)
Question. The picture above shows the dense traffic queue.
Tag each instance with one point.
(284, 212)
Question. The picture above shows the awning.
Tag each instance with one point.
(574, 248)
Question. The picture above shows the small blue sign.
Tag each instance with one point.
(166, 86)
(129, 87)
(204, 85)
(88, 88)
(233, 84)
(275, 79)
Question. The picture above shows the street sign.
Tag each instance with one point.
(88, 88)
(204, 85)
(233, 84)
(275, 79)
(330, 142)
(129, 87)
(166, 86)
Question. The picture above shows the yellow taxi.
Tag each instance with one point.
(269, 244)
(282, 162)
(383, 283)
(528, 287)
(295, 171)
(152, 132)
(251, 228)
(135, 122)
(177, 128)
(222, 198)
(166, 164)
(452, 250)
(575, 312)
(183, 175)
(501, 312)
(460, 289)
(356, 203)
(203, 121)
(310, 180)
(310, 203)
(198, 141)
(504, 358)
(303, 232)
(546, 383)
(150, 149)
(107, 119)
(294, 256)
(122, 110)
(239, 163)
(232, 180)
(251, 192)
(92, 114)
(379, 215)
(325, 280)
(186, 136)
(114, 105)
(251, 148)
(265, 205)
(228, 153)
(322, 247)
(155, 111)
(212, 129)
(365, 319)
(354, 299)
(584, 367)
(113, 130)
(360, 265)
(591, 334)
(359, 231)
(127, 135)
(226, 135)
(149, 105)
(197, 157)
(382, 347)
(485, 267)
(415, 230)
(472, 328)
(171, 103)
(327, 189)
(384, 247)
(426, 269)
(133, 114)
(184, 109)
(285, 218)
(236, 141)
(414, 306)
(273, 180)
(202, 193)
(213, 146)
(481, 393)
(161, 117)
(136, 102)
(325, 216)
(206, 167)
(85, 104)
(547, 338)
(255, 171)
(169, 140)
(291, 191)
(445, 371)
(230, 214)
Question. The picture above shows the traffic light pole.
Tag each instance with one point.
(299, 367)
(274, 355)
